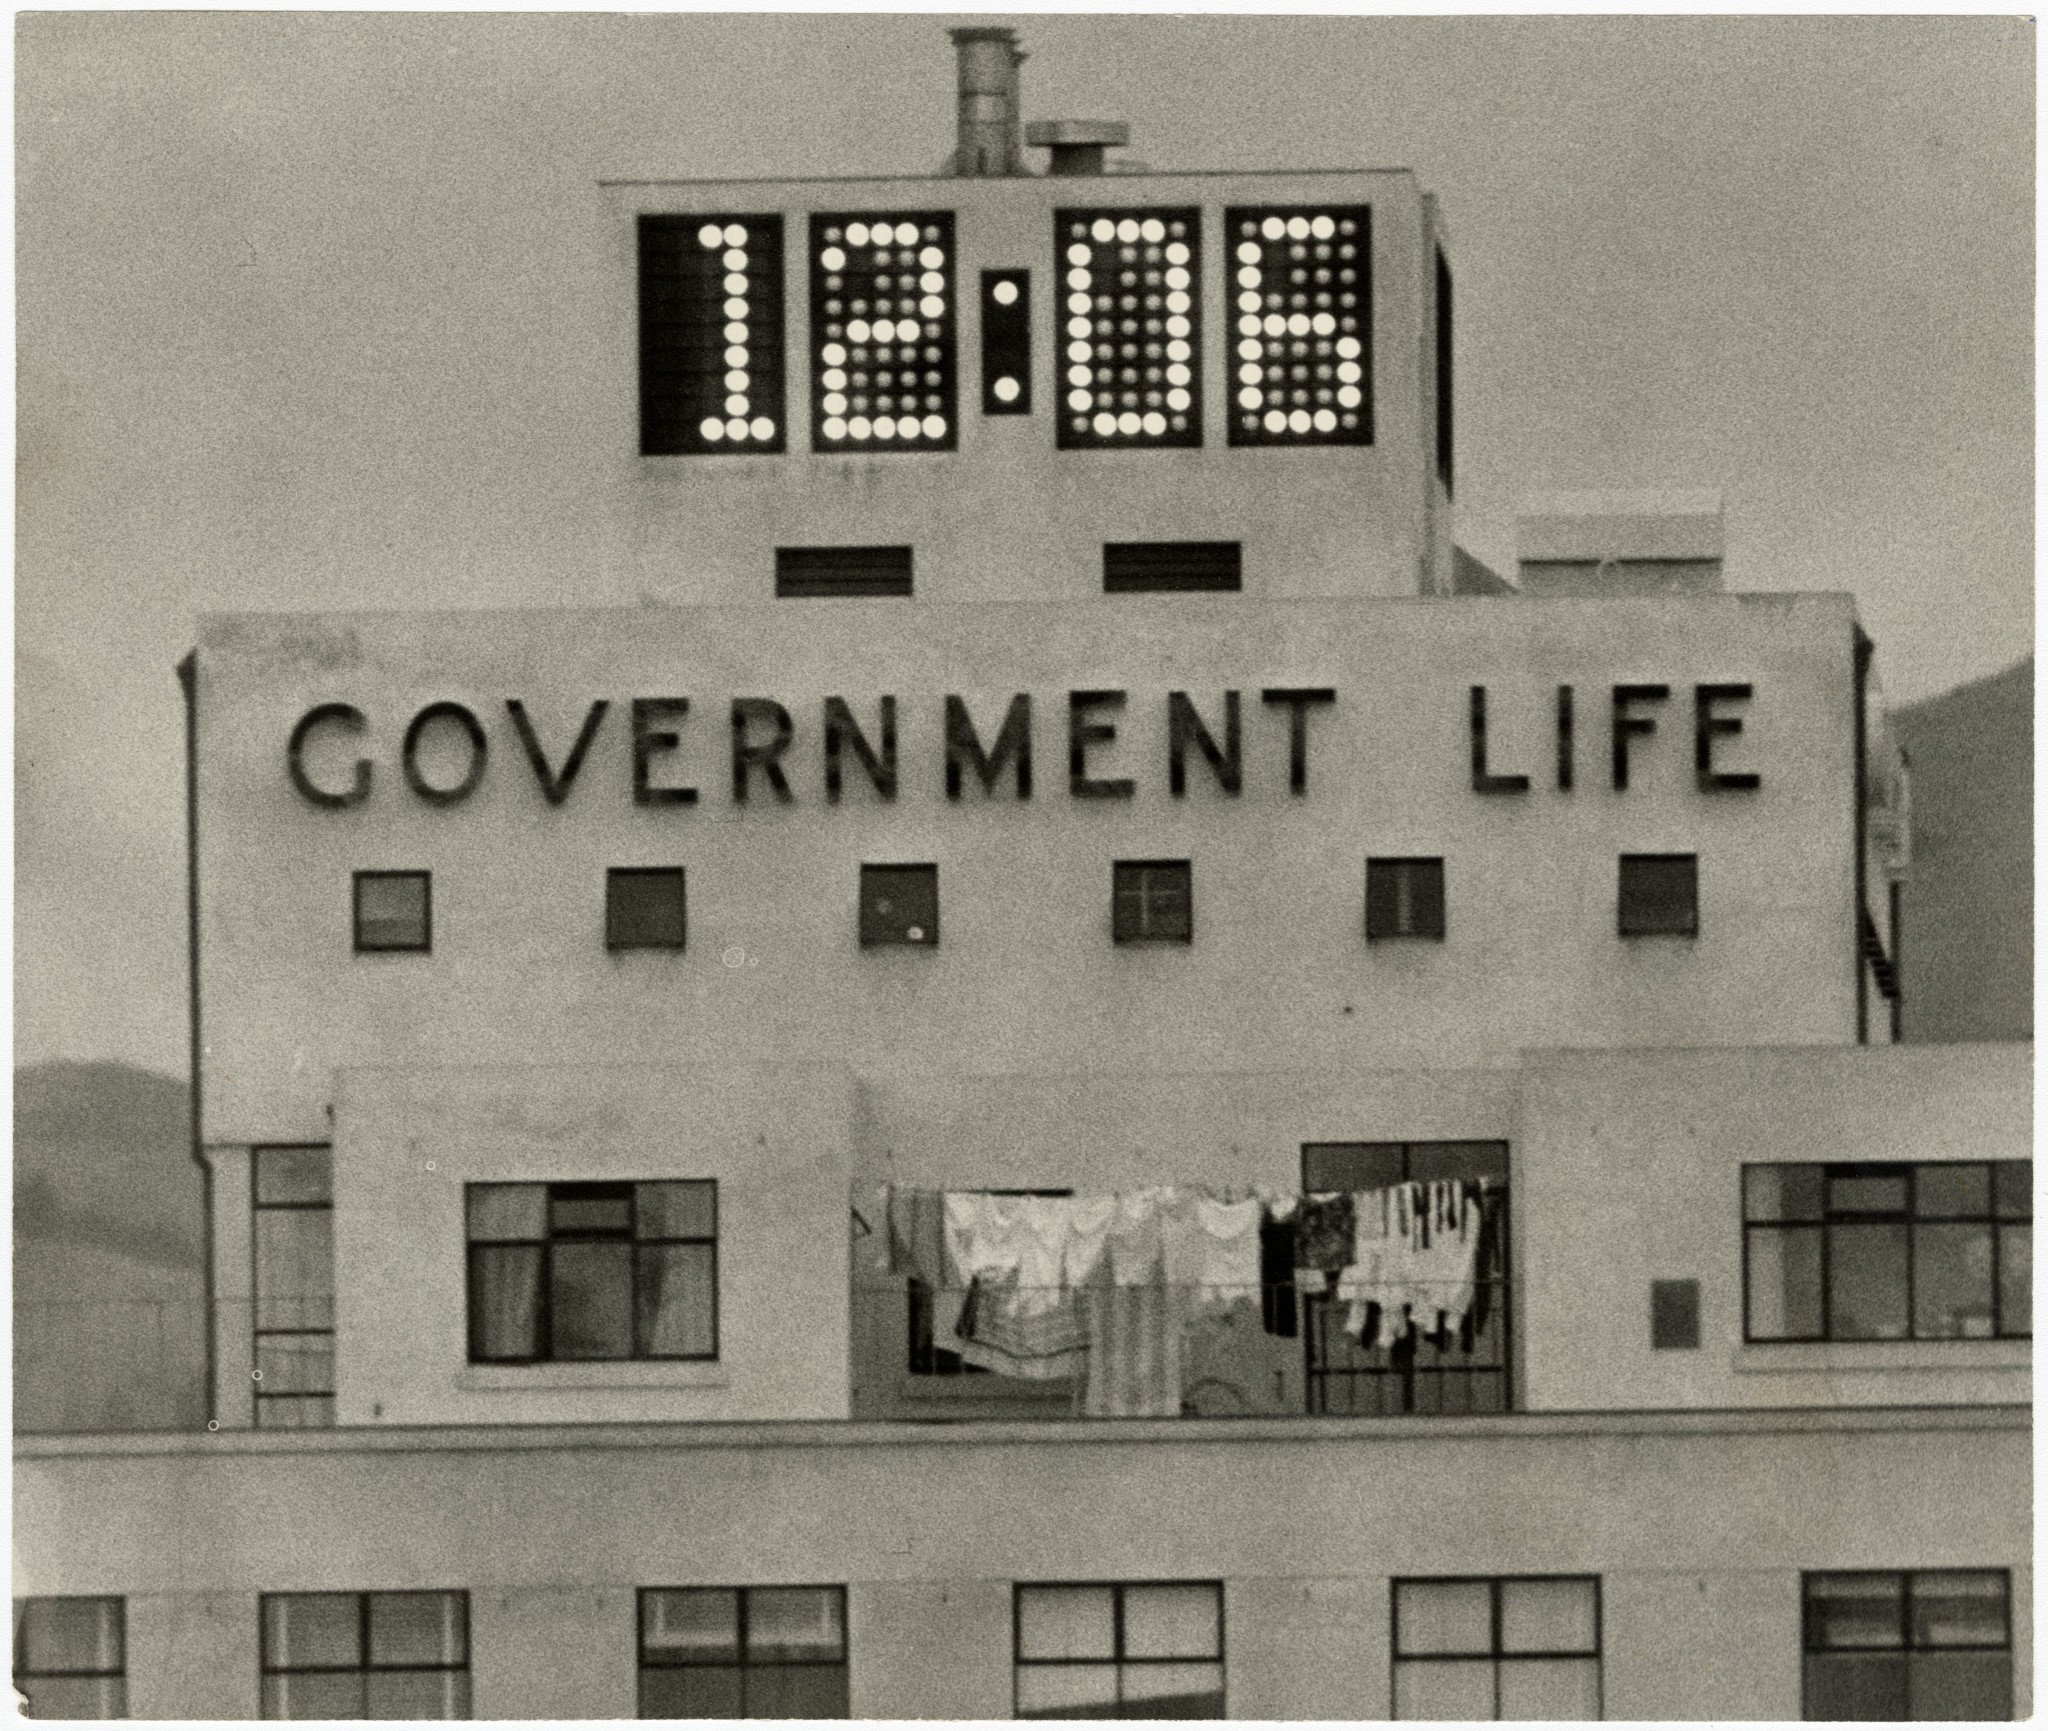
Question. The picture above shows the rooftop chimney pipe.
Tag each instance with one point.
(989, 103)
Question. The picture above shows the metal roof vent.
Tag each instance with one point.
(1621, 543)
(1077, 146)
(989, 103)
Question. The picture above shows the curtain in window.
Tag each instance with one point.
(504, 1300)
(676, 1300)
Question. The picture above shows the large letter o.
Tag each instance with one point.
(346, 715)
(478, 751)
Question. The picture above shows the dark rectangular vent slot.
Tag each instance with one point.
(1154, 567)
(814, 571)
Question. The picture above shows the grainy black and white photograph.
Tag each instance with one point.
(1073, 866)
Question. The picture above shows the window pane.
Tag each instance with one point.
(644, 909)
(591, 1300)
(317, 1695)
(1867, 1192)
(74, 1697)
(690, 1692)
(590, 1210)
(1853, 1611)
(1444, 1617)
(698, 1624)
(1659, 893)
(1781, 1192)
(1548, 1617)
(1867, 1283)
(294, 1175)
(1065, 1623)
(1952, 1191)
(295, 1412)
(2013, 1185)
(71, 1635)
(504, 1301)
(1440, 1689)
(294, 1268)
(1172, 1692)
(295, 1364)
(1959, 1686)
(795, 1623)
(418, 1629)
(416, 1695)
(2016, 1279)
(677, 1300)
(1959, 1608)
(676, 1210)
(1952, 1293)
(796, 1692)
(391, 912)
(1327, 1166)
(1166, 904)
(1550, 1689)
(1784, 1283)
(1173, 1622)
(1066, 1692)
(508, 1211)
(1855, 1686)
(304, 1629)
(1429, 1161)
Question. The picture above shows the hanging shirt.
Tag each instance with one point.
(1230, 1249)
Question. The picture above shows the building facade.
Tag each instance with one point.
(1060, 757)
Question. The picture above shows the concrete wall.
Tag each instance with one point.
(1627, 1169)
(406, 1142)
(1008, 516)
(1278, 976)
(1698, 1527)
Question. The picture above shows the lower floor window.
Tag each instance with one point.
(743, 1653)
(1908, 1644)
(365, 1656)
(1516, 1647)
(71, 1658)
(1150, 1650)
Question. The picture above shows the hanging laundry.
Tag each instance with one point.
(1135, 1339)
(1230, 1250)
(1277, 1257)
(1326, 1231)
(917, 1234)
(1415, 1252)
(1021, 1319)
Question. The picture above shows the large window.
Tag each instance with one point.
(883, 317)
(1130, 283)
(743, 1653)
(71, 1658)
(593, 1271)
(711, 335)
(1940, 1251)
(366, 1655)
(1151, 1650)
(1908, 1644)
(1518, 1647)
(1301, 286)
(293, 1222)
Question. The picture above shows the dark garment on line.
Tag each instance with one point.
(1276, 1276)
(1328, 1228)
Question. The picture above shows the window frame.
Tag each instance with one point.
(1809, 1648)
(613, 944)
(1907, 1217)
(263, 1399)
(874, 935)
(365, 1667)
(1395, 1657)
(1621, 906)
(425, 947)
(741, 1662)
(1400, 869)
(117, 1675)
(1235, 219)
(1120, 933)
(1117, 1660)
(544, 1310)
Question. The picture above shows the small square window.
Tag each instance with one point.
(899, 904)
(1674, 1315)
(1404, 898)
(394, 911)
(1660, 895)
(643, 908)
(1154, 901)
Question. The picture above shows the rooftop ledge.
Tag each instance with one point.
(977, 1433)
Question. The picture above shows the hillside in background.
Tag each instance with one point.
(1968, 906)
(108, 1234)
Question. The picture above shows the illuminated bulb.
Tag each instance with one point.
(1079, 254)
(835, 404)
(1250, 253)
(1078, 351)
(833, 355)
(1248, 277)
(1250, 349)
(1178, 351)
(1155, 423)
(1080, 279)
(1128, 422)
(1103, 229)
(1273, 228)
(1348, 347)
(1349, 372)
(884, 330)
(931, 282)
(857, 235)
(832, 258)
(1249, 325)
(1153, 230)
(1297, 228)
(735, 308)
(1007, 391)
(735, 235)
(711, 429)
(1275, 325)
(885, 427)
(931, 258)
(1105, 425)
(711, 235)
(1177, 375)
(1322, 228)
(1248, 301)
(1276, 421)
(858, 330)
(1298, 422)
(1326, 420)
(736, 405)
(1178, 327)
(1127, 231)
(1078, 399)
(1079, 327)
(835, 428)
(1004, 293)
(735, 259)
(1249, 398)
(906, 234)
(736, 333)
(834, 379)
(935, 425)
(1177, 254)
(763, 428)
(1297, 325)
(908, 330)
(736, 356)
(736, 381)
(931, 306)
(858, 426)
(1079, 376)
(1349, 396)
(1251, 373)
(736, 284)
(1178, 401)
(1323, 324)
(736, 428)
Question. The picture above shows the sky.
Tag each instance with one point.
(305, 320)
